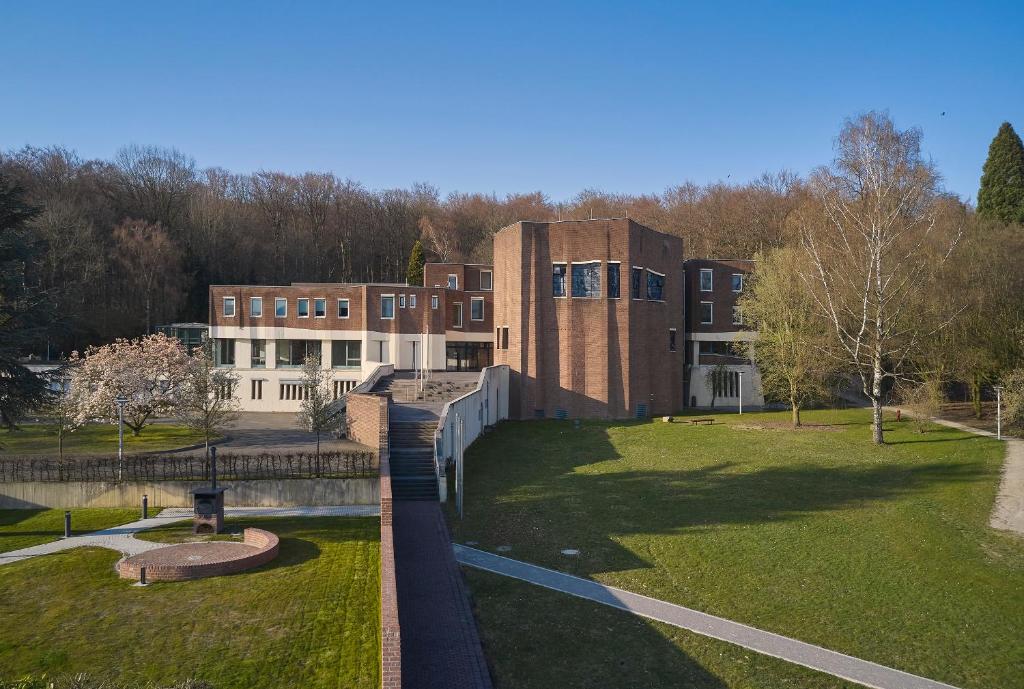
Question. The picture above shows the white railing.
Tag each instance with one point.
(465, 418)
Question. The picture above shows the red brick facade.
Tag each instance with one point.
(367, 419)
(589, 356)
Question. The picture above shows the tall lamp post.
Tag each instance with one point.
(740, 374)
(999, 412)
(121, 401)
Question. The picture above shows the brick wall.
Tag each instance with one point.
(367, 420)
(721, 295)
(391, 636)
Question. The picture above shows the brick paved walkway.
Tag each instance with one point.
(815, 657)
(122, 538)
(440, 645)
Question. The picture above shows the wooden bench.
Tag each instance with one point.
(706, 421)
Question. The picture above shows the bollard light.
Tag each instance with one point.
(142, 576)
(145, 506)
(67, 524)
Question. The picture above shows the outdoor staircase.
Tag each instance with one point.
(406, 389)
(412, 460)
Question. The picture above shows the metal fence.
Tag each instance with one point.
(162, 467)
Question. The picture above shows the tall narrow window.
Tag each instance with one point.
(343, 308)
(302, 307)
(613, 280)
(280, 307)
(504, 337)
(453, 281)
(586, 279)
(706, 279)
(486, 280)
(320, 308)
(737, 316)
(737, 282)
(706, 312)
(636, 280)
(229, 307)
(255, 307)
(401, 301)
(457, 315)
(433, 301)
(671, 339)
(476, 309)
(258, 359)
(655, 286)
(558, 280)
(412, 301)
(224, 352)
(387, 306)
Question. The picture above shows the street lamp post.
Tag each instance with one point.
(999, 412)
(121, 401)
(740, 374)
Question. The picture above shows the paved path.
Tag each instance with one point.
(274, 432)
(815, 657)
(1008, 512)
(122, 538)
(440, 645)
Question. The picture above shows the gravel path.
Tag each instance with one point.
(122, 538)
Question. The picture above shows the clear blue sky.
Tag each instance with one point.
(480, 96)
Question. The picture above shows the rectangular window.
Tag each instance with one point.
(224, 352)
(457, 315)
(346, 353)
(257, 389)
(343, 308)
(586, 279)
(229, 307)
(613, 280)
(636, 279)
(401, 301)
(255, 307)
(280, 307)
(558, 280)
(433, 301)
(453, 281)
(412, 301)
(706, 312)
(655, 286)
(706, 280)
(387, 306)
(476, 309)
(671, 339)
(302, 307)
(504, 337)
(737, 282)
(486, 280)
(258, 358)
(320, 308)
(737, 316)
(293, 353)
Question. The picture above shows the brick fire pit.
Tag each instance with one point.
(196, 560)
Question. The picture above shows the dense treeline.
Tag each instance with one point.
(135, 241)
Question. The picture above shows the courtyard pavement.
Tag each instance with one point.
(274, 432)
(122, 538)
(815, 657)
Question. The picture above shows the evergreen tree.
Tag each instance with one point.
(414, 275)
(23, 317)
(1001, 195)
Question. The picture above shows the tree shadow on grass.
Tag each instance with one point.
(543, 501)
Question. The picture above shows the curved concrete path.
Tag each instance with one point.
(815, 657)
(122, 538)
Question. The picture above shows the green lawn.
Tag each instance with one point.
(39, 438)
(24, 528)
(309, 619)
(880, 552)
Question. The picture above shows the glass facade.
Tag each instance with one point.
(469, 356)
(346, 353)
(586, 279)
(293, 353)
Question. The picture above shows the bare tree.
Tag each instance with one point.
(152, 266)
(874, 250)
(207, 400)
(441, 237)
(317, 412)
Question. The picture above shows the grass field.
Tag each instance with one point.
(880, 552)
(24, 528)
(40, 438)
(309, 619)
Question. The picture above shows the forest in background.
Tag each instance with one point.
(134, 242)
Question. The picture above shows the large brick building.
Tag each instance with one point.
(595, 318)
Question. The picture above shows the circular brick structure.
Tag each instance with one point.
(196, 560)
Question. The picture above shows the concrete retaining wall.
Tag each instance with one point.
(265, 493)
